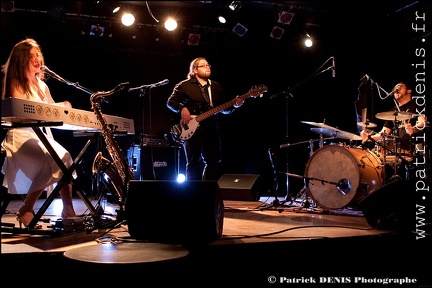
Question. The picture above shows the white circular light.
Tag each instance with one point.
(170, 24)
(128, 19)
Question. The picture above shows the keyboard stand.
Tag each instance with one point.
(66, 178)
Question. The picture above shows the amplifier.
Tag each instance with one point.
(153, 162)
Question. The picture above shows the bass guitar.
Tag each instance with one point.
(183, 132)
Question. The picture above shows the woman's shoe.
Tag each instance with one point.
(65, 215)
(25, 219)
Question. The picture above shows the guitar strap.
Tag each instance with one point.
(209, 93)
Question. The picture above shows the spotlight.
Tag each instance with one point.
(181, 178)
(128, 19)
(170, 24)
(308, 41)
(222, 19)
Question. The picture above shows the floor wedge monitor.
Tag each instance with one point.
(168, 211)
(242, 187)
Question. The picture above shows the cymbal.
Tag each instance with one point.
(347, 135)
(394, 115)
(324, 131)
(322, 125)
(367, 124)
(336, 133)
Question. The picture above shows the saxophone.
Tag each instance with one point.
(116, 172)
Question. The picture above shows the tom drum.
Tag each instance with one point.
(341, 176)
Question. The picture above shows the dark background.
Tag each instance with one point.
(372, 38)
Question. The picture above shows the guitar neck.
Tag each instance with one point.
(217, 109)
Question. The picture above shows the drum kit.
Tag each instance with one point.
(340, 176)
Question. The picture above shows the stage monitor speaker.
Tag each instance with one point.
(242, 187)
(391, 207)
(190, 212)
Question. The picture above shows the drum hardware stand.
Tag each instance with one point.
(302, 193)
(306, 203)
(343, 186)
(395, 176)
(275, 203)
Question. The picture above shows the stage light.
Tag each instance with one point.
(194, 39)
(97, 30)
(170, 24)
(181, 178)
(308, 41)
(222, 19)
(277, 32)
(235, 5)
(116, 9)
(240, 30)
(285, 17)
(128, 19)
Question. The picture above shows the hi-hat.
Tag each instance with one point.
(367, 124)
(394, 115)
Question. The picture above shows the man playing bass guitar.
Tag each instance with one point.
(198, 94)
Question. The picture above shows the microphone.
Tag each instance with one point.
(333, 68)
(160, 83)
(393, 92)
(51, 73)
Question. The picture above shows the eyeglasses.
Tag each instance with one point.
(203, 66)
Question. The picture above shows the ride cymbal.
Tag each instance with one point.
(394, 115)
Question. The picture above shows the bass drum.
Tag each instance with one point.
(342, 176)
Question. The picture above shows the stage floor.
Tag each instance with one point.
(260, 239)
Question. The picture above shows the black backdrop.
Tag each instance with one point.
(379, 45)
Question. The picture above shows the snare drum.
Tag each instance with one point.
(389, 150)
(342, 176)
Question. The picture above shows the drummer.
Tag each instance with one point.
(406, 128)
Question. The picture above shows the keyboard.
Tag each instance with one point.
(14, 110)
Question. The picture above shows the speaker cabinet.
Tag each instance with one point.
(391, 207)
(153, 162)
(190, 212)
(242, 187)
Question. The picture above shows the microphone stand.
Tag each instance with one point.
(143, 90)
(288, 92)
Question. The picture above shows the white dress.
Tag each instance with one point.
(28, 166)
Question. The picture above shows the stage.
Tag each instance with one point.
(262, 242)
